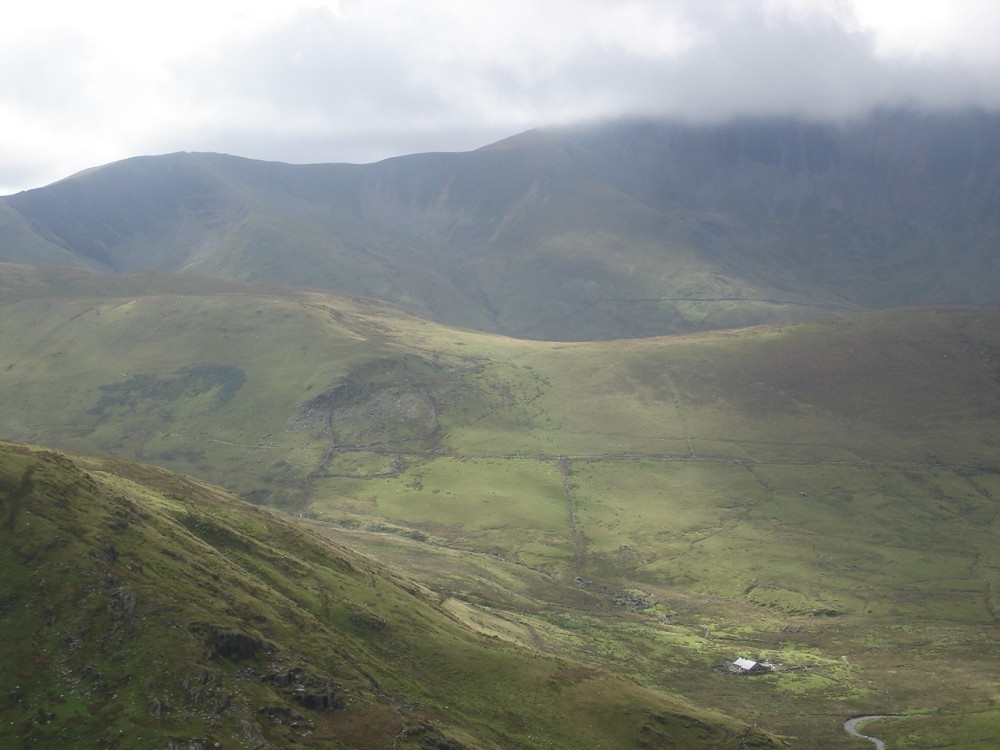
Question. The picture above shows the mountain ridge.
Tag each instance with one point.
(821, 493)
(612, 231)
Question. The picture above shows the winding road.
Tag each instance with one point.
(851, 727)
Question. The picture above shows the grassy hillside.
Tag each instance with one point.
(823, 494)
(19, 243)
(143, 609)
(613, 231)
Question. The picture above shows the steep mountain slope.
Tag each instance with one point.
(622, 230)
(874, 210)
(143, 609)
(653, 507)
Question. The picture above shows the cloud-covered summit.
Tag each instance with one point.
(319, 80)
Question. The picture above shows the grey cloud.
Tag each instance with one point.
(323, 87)
(750, 66)
(45, 77)
(316, 67)
(322, 73)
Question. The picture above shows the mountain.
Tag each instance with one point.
(576, 530)
(270, 390)
(610, 231)
(821, 494)
(147, 610)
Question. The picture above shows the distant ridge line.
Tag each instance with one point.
(853, 308)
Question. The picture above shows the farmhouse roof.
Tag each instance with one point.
(745, 664)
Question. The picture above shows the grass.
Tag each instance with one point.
(822, 494)
(623, 230)
(965, 729)
(192, 616)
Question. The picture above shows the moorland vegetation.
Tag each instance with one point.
(649, 397)
(822, 494)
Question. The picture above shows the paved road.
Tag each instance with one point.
(851, 727)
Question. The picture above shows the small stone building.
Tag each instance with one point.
(748, 666)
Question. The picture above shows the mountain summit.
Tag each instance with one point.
(615, 230)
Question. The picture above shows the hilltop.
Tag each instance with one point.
(617, 230)
(144, 609)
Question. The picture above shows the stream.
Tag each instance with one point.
(851, 727)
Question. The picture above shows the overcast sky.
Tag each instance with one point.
(86, 83)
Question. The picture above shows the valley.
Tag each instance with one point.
(145, 609)
(521, 447)
(820, 494)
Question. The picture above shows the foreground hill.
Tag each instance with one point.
(824, 494)
(146, 610)
(614, 231)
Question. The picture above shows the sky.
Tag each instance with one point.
(304, 81)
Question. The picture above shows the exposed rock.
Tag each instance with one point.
(234, 646)
(122, 604)
(430, 736)
(314, 692)
(158, 707)
(207, 692)
(369, 621)
(324, 699)
(632, 600)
